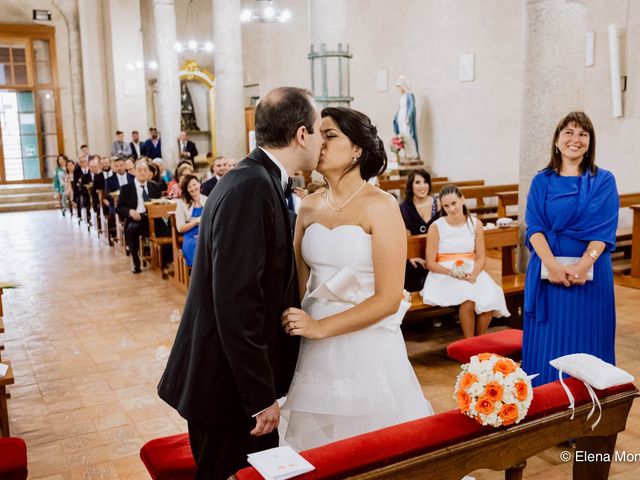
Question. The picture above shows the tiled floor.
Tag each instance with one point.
(88, 341)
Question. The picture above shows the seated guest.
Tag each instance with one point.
(220, 167)
(418, 210)
(173, 189)
(210, 163)
(165, 174)
(135, 145)
(93, 182)
(131, 208)
(58, 181)
(79, 194)
(129, 165)
(68, 184)
(120, 148)
(455, 259)
(188, 211)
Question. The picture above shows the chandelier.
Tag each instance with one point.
(139, 64)
(192, 45)
(268, 13)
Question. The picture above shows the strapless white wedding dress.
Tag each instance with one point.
(353, 383)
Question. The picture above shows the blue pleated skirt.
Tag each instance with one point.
(578, 319)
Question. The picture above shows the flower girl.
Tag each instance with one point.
(455, 259)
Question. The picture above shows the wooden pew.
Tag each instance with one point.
(506, 199)
(7, 379)
(401, 184)
(507, 239)
(445, 446)
(181, 270)
(158, 211)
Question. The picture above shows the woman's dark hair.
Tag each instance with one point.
(421, 172)
(582, 120)
(448, 190)
(281, 113)
(358, 128)
(155, 171)
(184, 184)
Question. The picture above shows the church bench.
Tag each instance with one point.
(13, 459)
(507, 343)
(400, 184)
(7, 379)
(181, 270)
(444, 446)
(158, 211)
(507, 240)
(486, 199)
(506, 199)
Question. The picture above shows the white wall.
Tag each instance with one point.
(466, 130)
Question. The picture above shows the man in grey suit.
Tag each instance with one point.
(231, 358)
(120, 148)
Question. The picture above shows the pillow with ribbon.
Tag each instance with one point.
(594, 373)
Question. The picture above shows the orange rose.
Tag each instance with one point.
(508, 413)
(505, 366)
(493, 391)
(484, 405)
(484, 356)
(467, 380)
(522, 390)
(463, 399)
(459, 263)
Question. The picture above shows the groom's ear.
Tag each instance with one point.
(301, 135)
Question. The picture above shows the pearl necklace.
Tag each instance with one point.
(341, 207)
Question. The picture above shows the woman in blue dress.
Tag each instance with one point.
(572, 212)
(188, 211)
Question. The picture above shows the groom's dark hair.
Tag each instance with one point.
(279, 115)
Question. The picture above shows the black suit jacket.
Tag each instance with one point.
(112, 184)
(134, 153)
(128, 199)
(231, 357)
(207, 186)
(77, 179)
(191, 148)
(93, 185)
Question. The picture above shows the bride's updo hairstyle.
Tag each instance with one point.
(358, 128)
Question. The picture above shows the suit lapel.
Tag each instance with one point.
(274, 172)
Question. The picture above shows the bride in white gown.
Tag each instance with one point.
(353, 375)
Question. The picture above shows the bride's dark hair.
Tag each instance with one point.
(358, 128)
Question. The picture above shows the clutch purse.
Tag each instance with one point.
(544, 273)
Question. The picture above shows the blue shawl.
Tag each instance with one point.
(594, 218)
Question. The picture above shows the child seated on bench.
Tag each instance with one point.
(455, 259)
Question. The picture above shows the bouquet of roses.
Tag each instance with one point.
(461, 268)
(397, 144)
(493, 390)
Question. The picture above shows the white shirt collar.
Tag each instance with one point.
(138, 184)
(284, 176)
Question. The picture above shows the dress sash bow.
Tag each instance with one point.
(344, 287)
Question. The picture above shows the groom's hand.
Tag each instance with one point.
(267, 420)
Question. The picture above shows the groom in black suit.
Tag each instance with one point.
(231, 358)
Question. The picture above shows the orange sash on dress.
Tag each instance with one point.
(452, 257)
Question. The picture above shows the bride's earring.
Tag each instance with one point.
(355, 159)
(557, 151)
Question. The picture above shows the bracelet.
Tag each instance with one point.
(593, 254)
